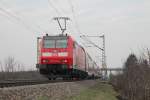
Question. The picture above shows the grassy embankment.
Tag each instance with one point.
(100, 91)
(97, 92)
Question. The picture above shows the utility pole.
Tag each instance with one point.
(103, 52)
(104, 65)
(62, 27)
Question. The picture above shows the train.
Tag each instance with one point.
(61, 56)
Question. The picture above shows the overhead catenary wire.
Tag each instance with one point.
(52, 5)
(58, 11)
(12, 15)
(17, 19)
(74, 16)
(75, 23)
(89, 41)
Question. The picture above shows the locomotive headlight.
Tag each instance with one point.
(63, 54)
(46, 54)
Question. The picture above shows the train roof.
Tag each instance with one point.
(55, 36)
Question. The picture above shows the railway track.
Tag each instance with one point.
(14, 83)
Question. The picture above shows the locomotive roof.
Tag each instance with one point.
(55, 37)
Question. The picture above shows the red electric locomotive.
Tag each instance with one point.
(61, 56)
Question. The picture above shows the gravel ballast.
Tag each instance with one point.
(52, 91)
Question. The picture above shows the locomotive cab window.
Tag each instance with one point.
(61, 43)
(49, 43)
(55, 42)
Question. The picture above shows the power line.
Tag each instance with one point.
(17, 19)
(51, 5)
(76, 25)
(89, 41)
(74, 16)
(58, 12)
(15, 16)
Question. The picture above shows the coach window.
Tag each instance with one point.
(61, 43)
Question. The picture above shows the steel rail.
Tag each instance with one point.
(14, 83)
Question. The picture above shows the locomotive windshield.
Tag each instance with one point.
(61, 43)
(55, 42)
(49, 43)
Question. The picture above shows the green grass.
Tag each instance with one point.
(97, 92)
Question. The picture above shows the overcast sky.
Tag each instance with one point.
(125, 23)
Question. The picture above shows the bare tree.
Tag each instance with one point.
(10, 64)
(1, 67)
(20, 66)
(134, 82)
(148, 54)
